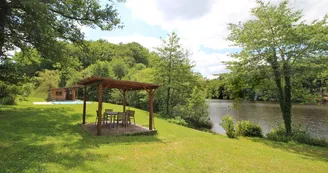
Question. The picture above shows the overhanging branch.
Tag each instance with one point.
(71, 17)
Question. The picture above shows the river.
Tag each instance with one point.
(268, 115)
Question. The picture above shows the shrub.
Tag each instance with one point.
(278, 134)
(7, 101)
(178, 120)
(228, 126)
(299, 135)
(9, 93)
(195, 111)
(246, 128)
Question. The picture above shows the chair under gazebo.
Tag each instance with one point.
(123, 86)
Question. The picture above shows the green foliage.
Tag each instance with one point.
(11, 93)
(46, 80)
(100, 68)
(139, 99)
(243, 128)
(278, 134)
(7, 100)
(220, 88)
(178, 120)
(228, 125)
(130, 53)
(196, 110)
(41, 23)
(299, 135)
(13, 83)
(246, 128)
(119, 69)
(173, 72)
(143, 75)
(8, 93)
(30, 62)
(138, 53)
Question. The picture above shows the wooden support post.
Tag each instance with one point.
(84, 104)
(73, 93)
(100, 93)
(124, 100)
(124, 106)
(77, 93)
(150, 94)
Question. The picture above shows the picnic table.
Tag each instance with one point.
(115, 115)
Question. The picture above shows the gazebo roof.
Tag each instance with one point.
(118, 84)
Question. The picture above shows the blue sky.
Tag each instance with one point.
(201, 25)
(131, 25)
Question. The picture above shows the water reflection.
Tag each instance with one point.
(268, 115)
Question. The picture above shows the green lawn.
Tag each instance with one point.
(50, 139)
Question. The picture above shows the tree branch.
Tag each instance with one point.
(299, 54)
(71, 17)
(273, 34)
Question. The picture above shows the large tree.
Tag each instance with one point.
(277, 37)
(173, 71)
(46, 80)
(40, 23)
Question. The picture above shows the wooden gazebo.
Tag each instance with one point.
(121, 85)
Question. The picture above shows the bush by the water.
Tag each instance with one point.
(246, 128)
(299, 135)
(243, 128)
(278, 134)
(178, 120)
(195, 112)
(228, 125)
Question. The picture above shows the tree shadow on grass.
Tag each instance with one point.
(32, 137)
(306, 151)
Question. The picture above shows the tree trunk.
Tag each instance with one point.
(168, 101)
(169, 86)
(288, 104)
(3, 21)
(284, 94)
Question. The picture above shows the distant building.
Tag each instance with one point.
(61, 94)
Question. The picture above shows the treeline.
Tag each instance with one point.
(309, 81)
(182, 92)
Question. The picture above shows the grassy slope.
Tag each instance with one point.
(50, 139)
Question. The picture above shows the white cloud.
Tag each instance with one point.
(210, 29)
(198, 24)
(210, 63)
(312, 9)
(172, 9)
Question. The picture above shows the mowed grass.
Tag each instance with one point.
(50, 139)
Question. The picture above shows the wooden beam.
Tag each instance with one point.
(94, 83)
(100, 94)
(84, 104)
(108, 85)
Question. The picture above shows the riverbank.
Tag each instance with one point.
(44, 138)
(268, 115)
